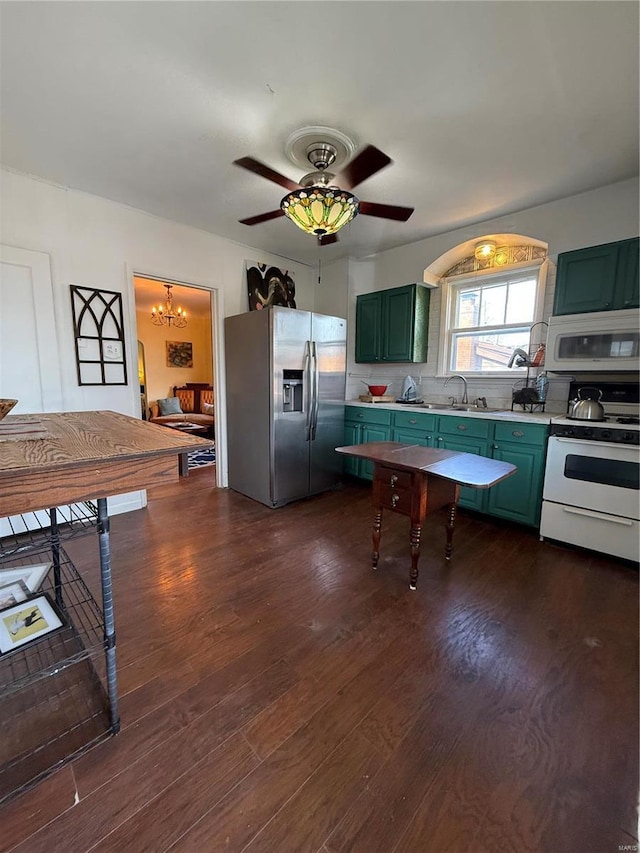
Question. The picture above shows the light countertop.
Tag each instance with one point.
(502, 415)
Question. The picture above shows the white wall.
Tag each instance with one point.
(98, 243)
(599, 216)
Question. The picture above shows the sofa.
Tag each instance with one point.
(192, 402)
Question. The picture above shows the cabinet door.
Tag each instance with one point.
(469, 498)
(519, 497)
(627, 291)
(586, 280)
(371, 432)
(351, 436)
(368, 326)
(413, 436)
(397, 323)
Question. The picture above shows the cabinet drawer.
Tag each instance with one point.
(414, 420)
(394, 477)
(370, 416)
(464, 427)
(522, 433)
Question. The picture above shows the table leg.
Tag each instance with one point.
(414, 538)
(377, 526)
(183, 465)
(107, 607)
(452, 517)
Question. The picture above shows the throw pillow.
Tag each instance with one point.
(169, 406)
(207, 409)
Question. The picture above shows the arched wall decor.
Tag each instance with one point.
(504, 256)
(99, 336)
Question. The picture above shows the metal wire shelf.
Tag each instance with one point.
(30, 530)
(81, 636)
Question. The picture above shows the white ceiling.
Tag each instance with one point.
(486, 108)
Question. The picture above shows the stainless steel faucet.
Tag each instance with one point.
(465, 398)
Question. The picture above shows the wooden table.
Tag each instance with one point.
(415, 480)
(71, 457)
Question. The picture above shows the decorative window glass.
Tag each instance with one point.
(99, 336)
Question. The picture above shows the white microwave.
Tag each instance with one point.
(601, 341)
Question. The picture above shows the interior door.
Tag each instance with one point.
(29, 359)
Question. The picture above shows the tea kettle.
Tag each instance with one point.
(586, 409)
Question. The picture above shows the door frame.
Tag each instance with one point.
(217, 340)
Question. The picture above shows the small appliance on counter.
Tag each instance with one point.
(409, 392)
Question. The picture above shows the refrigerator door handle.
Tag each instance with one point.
(316, 402)
(308, 391)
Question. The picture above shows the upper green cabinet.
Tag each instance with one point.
(599, 278)
(392, 325)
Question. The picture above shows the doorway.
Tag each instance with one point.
(177, 351)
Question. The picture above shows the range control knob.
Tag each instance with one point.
(587, 432)
(606, 435)
(628, 436)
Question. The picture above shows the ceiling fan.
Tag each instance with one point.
(321, 202)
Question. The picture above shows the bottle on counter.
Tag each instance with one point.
(542, 386)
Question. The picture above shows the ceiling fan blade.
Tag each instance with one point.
(327, 239)
(386, 211)
(369, 161)
(259, 168)
(262, 217)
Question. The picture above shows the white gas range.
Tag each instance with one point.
(591, 494)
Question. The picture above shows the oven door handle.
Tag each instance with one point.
(625, 522)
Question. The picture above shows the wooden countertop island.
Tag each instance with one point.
(415, 480)
(57, 462)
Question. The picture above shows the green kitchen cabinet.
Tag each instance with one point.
(414, 428)
(360, 426)
(467, 435)
(598, 278)
(519, 497)
(392, 325)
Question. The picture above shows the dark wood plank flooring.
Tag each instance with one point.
(278, 695)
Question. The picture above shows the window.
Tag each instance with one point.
(487, 318)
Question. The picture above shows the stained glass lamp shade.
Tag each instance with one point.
(320, 210)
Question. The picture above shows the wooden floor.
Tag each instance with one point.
(278, 695)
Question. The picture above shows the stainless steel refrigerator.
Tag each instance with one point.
(285, 373)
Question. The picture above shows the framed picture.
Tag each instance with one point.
(27, 622)
(179, 354)
(12, 594)
(31, 576)
(267, 286)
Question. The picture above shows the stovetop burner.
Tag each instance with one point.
(628, 420)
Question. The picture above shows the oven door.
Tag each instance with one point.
(594, 475)
(591, 496)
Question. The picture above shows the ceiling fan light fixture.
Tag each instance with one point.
(485, 250)
(320, 210)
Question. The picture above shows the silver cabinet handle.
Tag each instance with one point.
(360, 415)
(413, 421)
(394, 500)
(517, 433)
(440, 438)
(462, 427)
(495, 447)
(393, 480)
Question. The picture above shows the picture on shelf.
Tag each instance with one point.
(32, 576)
(12, 594)
(27, 622)
(179, 354)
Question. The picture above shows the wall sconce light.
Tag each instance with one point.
(485, 250)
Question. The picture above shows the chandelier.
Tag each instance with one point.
(164, 315)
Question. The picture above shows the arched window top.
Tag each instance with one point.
(511, 249)
(505, 256)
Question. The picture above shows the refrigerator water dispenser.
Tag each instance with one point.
(292, 390)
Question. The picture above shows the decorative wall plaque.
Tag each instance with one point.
(99, 336)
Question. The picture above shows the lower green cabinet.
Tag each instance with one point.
(360, 426)
(518, 498)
